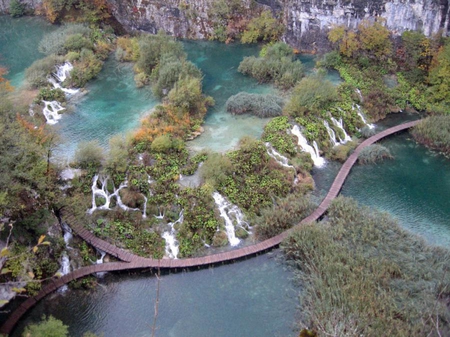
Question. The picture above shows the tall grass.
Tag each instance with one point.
(255, 104)
(363, 275)
(374, 153)
(434, 132)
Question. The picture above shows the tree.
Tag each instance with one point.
(16, 8)
(49, 327)
(374, 39)
(89, 155)
(262, 28)
(439, 77)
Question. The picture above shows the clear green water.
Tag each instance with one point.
(250, 298)
(19, 40)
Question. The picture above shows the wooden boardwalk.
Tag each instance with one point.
(132, 261)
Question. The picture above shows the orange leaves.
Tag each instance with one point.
(5, 86)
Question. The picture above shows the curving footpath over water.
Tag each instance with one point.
(132, 261)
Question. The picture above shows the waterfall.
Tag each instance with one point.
(340, 125)
(65, 268)
(359, 95)
(358, 108)
(51, 111)
(278, 157)
(100, 261)
(67, 234)
(170, 237)
(331, 133)
(60, 75)
(104, 193)
(231, 214)
(312, 150)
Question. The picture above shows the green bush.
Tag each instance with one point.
(434, 132)
(16, 8)
(374, 153)
(276, 133)
(284, 214)
(48, 327)
(255, 104)
(85, 69)
(77, 42)
(54, 42)
(89, 155)
(36, 75)
(276, 64)
(263, 28)
(47, 94)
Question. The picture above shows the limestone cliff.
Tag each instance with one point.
(307, 21)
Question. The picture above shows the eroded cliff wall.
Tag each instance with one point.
(307, 21)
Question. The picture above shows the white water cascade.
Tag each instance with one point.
(60, 75)
(65, 268)
(100, 261)
(51, 111)
(67, 234)
(170, 237)
(232, 215)
(103, 192)
(358, 108)
(312, 150)
(278, 157)
(340, 125)
(331, 133)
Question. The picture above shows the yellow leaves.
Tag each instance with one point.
(4, 252)
(336, 33)
(41, 239)
(41, 242)
(18, 290)
(5, 271)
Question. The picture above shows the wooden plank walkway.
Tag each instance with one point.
(132, 261)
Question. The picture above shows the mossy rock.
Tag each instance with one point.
(220, 239)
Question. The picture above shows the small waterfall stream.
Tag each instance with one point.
(100, 261)
(51, 111)
(60, 75)
(358, 109)
(331, 133)
(232, 215)
(312, 150)
(278, 157)
(170, 237)
(340, 124)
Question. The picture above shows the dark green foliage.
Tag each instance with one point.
(151, 49)
(434, 132)
(36, 75)
(85, 69)
(255, 104)
(255, 177)
(16, 8)
(276, 133)
(361, 273)
(89, 155)
(77, 42)
(47, 94)
(331, 60)
(311, 94)
(277, 64)
(49, 327)
(284, 214)
(374, 153)
(200, 223)
(439, 80)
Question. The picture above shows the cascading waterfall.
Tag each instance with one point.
(232, 215)
(170, 237)
(312, 150)
(67, 234)
(358, 109)
(278, 157)
(105, 194)
(60, 75)
(100, 261)
(339, 123)
(65, 268)
(51, 111)
(331, 133)
(359, 94)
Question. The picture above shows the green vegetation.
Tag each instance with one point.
(276, 133)
(434, 132)
(49, 327)
(36, 75)
(276, 64)
(89, 155)
(256, 104)
(16, 8)
(363, 275)
(263, 28)
(374, 153)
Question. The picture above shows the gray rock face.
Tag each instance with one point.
(307, 21)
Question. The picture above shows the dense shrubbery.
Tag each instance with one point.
(16, 8)
(255, 104)
(263, 28)
(361, 275)
(374, 153)
(36, 75)
(284, 214)
(276, 64)
(253, 179)
(276, 132)
(89, 155)
(434, 132)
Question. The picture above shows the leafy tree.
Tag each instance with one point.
(439, 78)
(49, 327)
(374, 39)
(262, 28)
(16, 8)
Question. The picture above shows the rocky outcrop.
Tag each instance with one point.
(306, 21)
